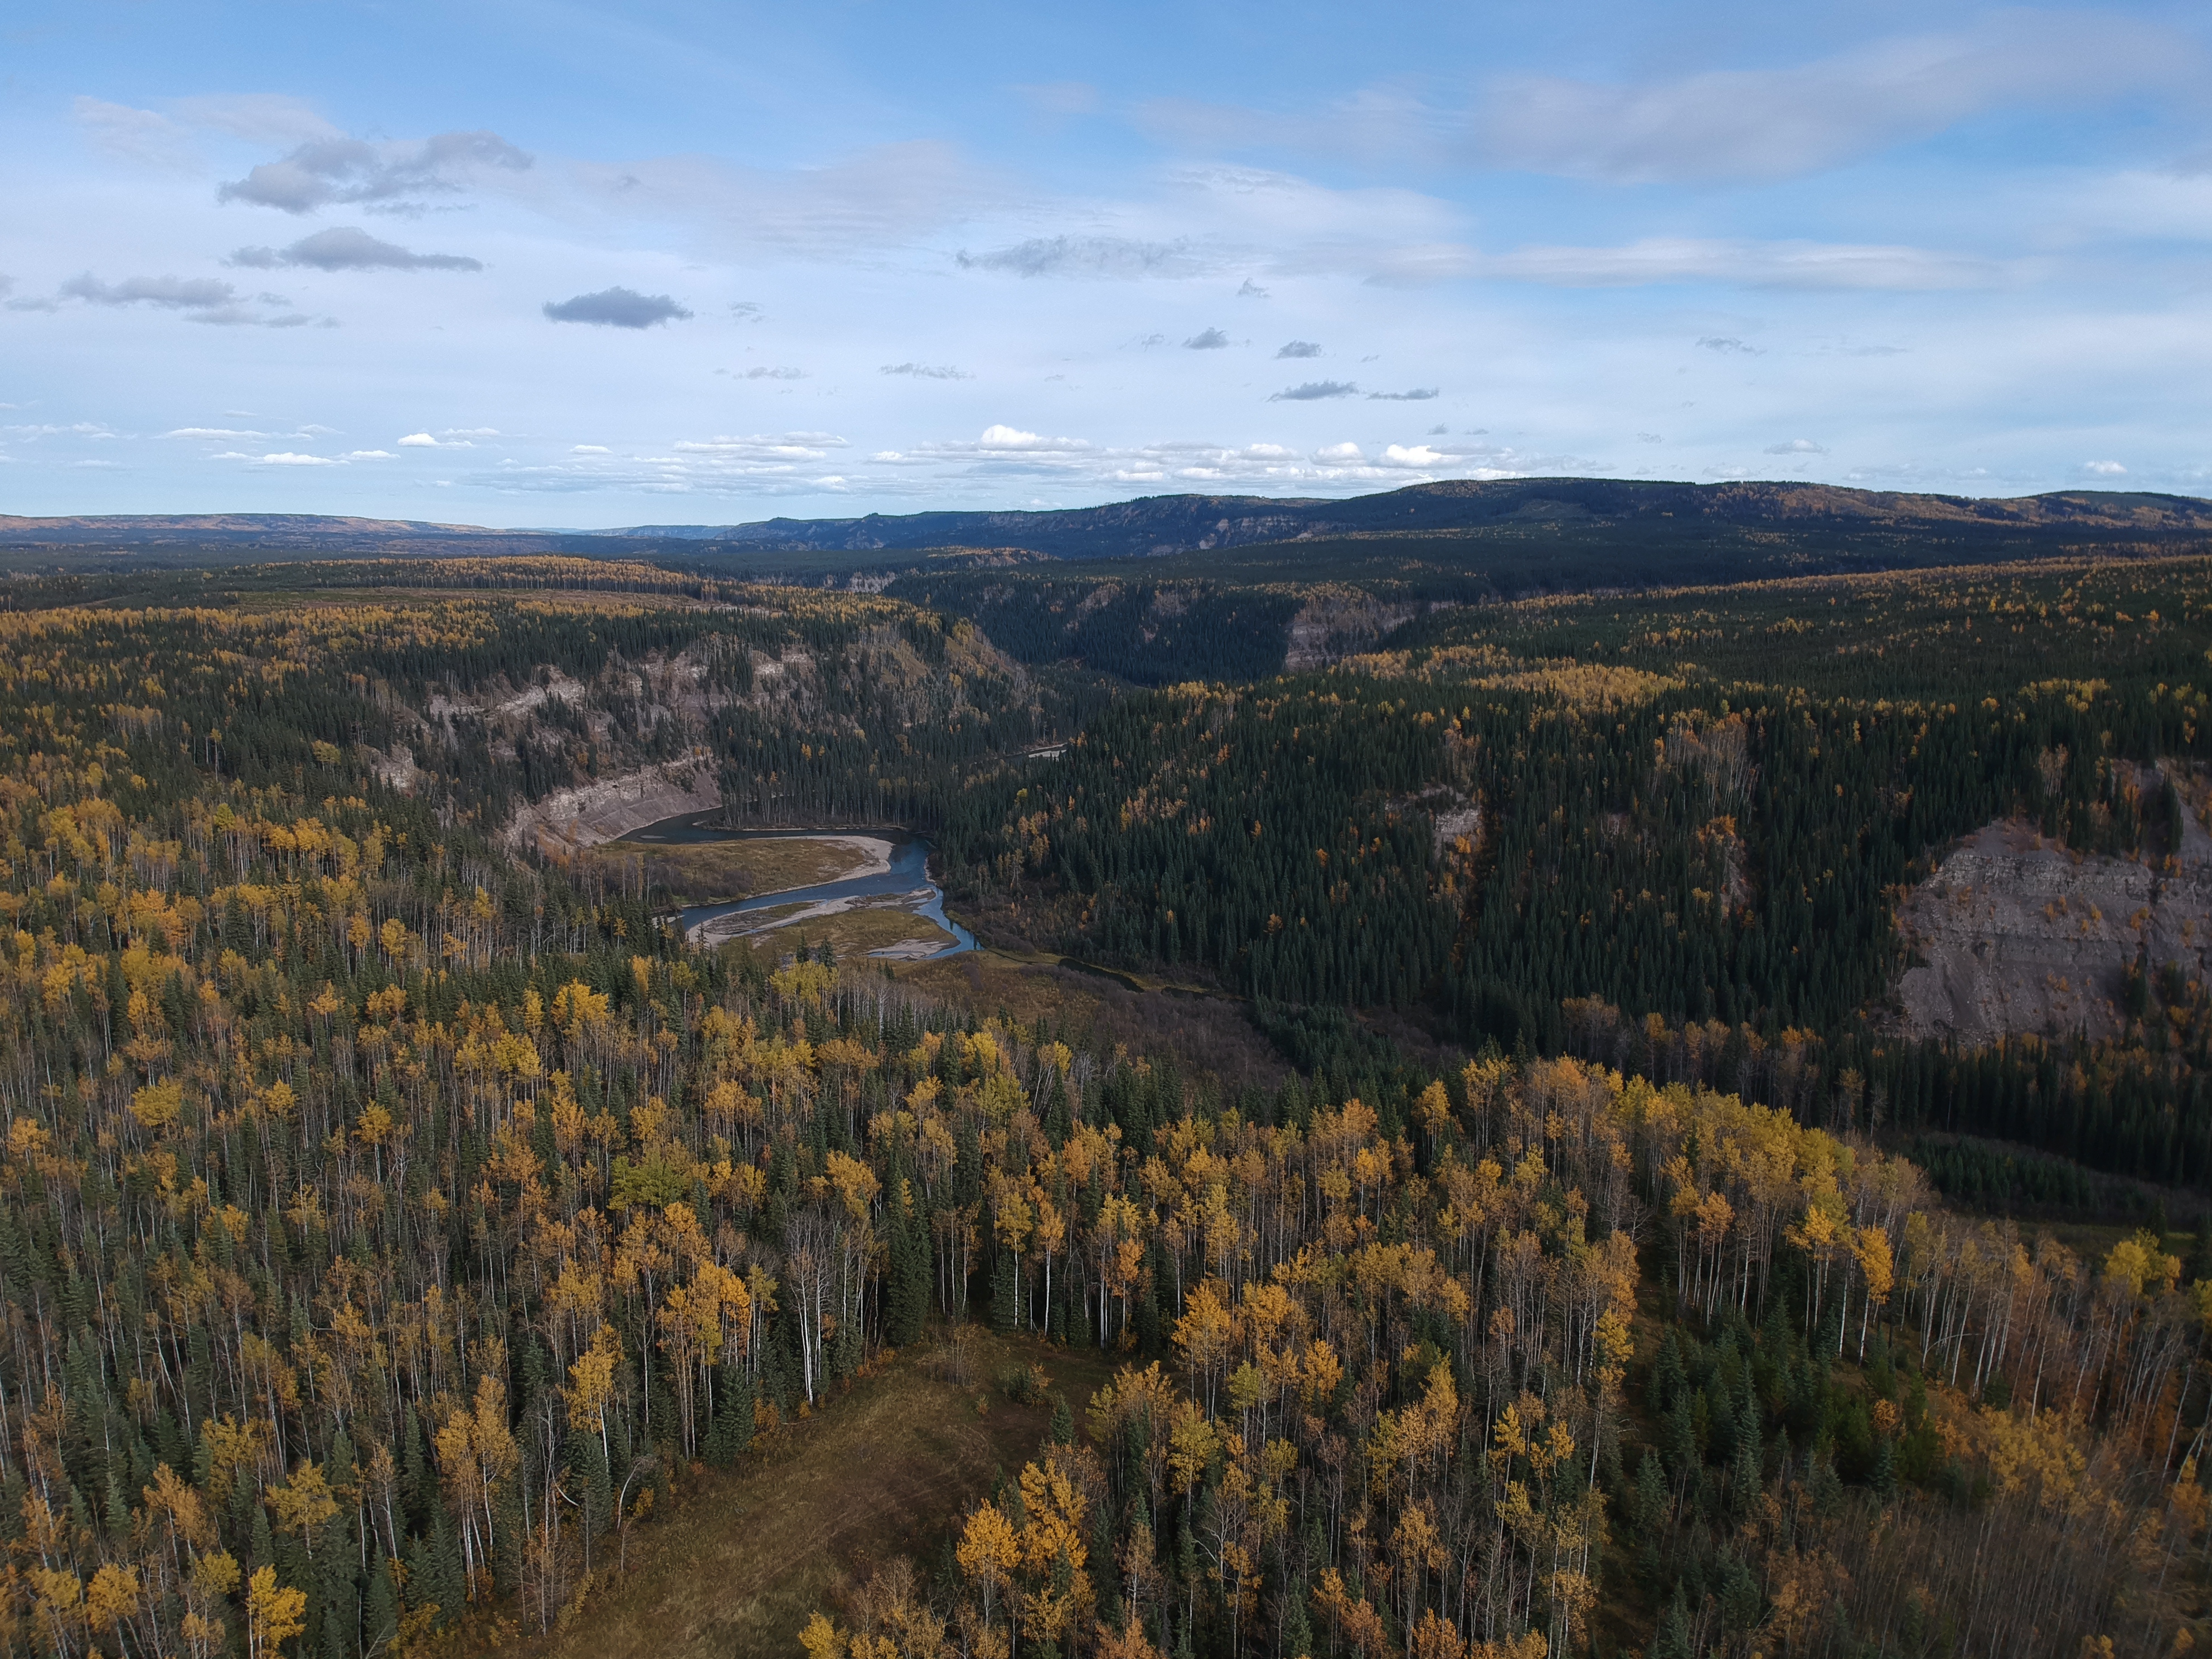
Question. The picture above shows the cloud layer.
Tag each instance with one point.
(1787, 121)
(1961, 251)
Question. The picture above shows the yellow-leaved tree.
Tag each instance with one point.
(274, 1614)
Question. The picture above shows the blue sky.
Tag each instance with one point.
(569, 264)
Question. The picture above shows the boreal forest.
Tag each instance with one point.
(1659, 1110)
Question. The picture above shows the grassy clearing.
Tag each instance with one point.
(1209, 1036)
(851, 933)
(887, 1469)
(714, 872)
(855, 932)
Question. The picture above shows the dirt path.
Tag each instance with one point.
(886, 1470)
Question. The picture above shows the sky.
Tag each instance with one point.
(577, 265)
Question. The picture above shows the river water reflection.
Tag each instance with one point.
(908, 875)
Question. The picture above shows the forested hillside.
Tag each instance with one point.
(395, 1223)
(377, 1248)
(1700, 810)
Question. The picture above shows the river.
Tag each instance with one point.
(908, 875)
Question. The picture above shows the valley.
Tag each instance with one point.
(1306, 1096)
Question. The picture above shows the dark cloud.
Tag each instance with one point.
(1251, 290)
(1727, 343)
(1211, 340)
(1299, 349)
(766, 373)
(617, 308)
(1087, 255)
(1314, 390)
(348, 249)
(324, 170)
(927, 371)
(1419, 394)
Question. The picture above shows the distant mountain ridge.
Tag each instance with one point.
(1161, 525)
(265, 529)
(1157, 524)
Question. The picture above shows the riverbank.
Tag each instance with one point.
(880, 901)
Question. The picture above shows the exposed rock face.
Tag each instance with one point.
(1337, 622)
(2017, 934)
(607, 809)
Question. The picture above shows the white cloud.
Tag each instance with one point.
(285, 458)
(349, 248)
(1090, 256)
(1375, 125)
(419, 441)
(370, 455)
(1419, 455)
(1762, 123)
(198, 299)
(138, 135)
(172, 293)
(331, 168)
(261, 118)
(2104, 469)
(1797, 447)
(1783, 122)
(790, 464)
(888, 195)
(1787, 264)
(767, 464)
(220, 434)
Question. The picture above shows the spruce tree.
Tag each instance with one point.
(1675, 1640)
(1006, 1294)
(906, 1293)
(1297, 1629)
(731, 1430)
(381, 1607)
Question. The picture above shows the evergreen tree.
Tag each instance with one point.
(1676, 1639)
(1298, 1639)
(1006, 1294)
(906, 1293)
(731, 1430)
(380, 1607)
